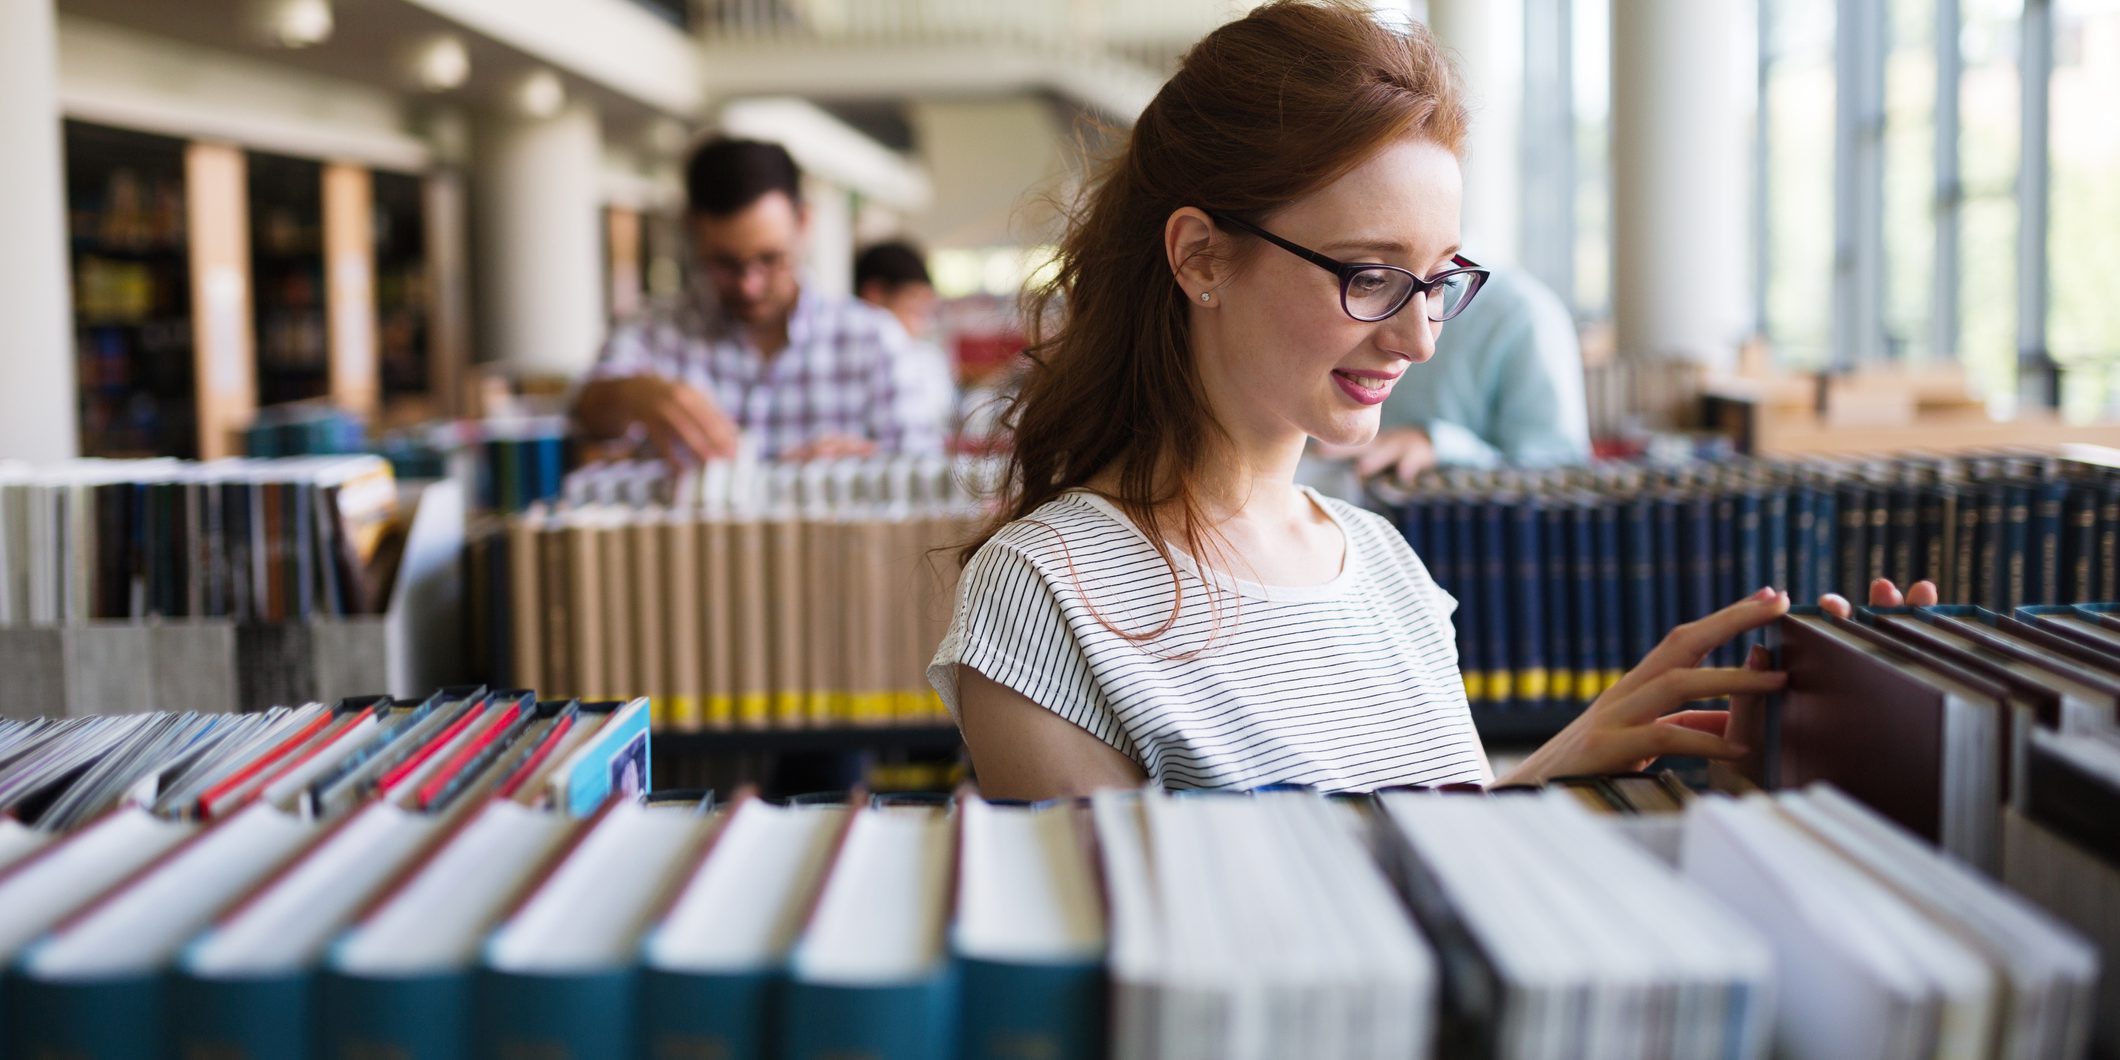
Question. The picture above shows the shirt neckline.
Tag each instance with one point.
(1332, 588)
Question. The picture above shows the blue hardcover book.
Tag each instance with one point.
(1903, 535)
(401, 981)
(1669, 563)
(1610, 632)
(1472, 607)
(1029, 936)
(1496, 650)
(1559, 581)
(558, 976)
(245, 988)
(1728, 576)
(890, 994)
(613, 761)
(1583, 593)
(1774, 535)
(1825, 555)
(1638, 552)
(2079, 549)
(96, 985)
(2105, 567)
(1408, 517)
(1751, 558)
(2043, 576)
(1803, 513)
(1527, 610)
(1854, 549)
(715, 964)
(2016, 543)
(1990, 570)
(1698, 557)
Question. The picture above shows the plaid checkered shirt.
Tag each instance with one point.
(848, 370)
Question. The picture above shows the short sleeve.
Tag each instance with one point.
(1011, 626)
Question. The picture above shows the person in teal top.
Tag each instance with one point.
(1505, 389)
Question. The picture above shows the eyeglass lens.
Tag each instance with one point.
(1373, 294)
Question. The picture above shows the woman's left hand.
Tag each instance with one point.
(1639, 719)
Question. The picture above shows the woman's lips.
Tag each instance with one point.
(1365, 388)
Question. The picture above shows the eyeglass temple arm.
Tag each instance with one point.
(1331, 265)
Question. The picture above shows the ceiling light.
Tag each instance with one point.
(541, 94)
(441, 64)
(292, 23)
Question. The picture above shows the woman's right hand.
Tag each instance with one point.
(1639, 719)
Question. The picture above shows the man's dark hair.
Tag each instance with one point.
(726, 175)
(892, 264)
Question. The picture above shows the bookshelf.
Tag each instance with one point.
(404, 294)
(287, 278)
(133, 335)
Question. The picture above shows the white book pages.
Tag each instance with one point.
(1846, 983)
(884, 909)
(589, 913)
(1136, 928)
(742, 909)
(141, 927)
(1026, 886)
(2082, 889)
(1204, 977)
(287, 927)
(38, 894)
(2051, 971)
(437, 920)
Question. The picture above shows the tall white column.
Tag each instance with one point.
(1487, 37)
(1679, 179)
(37, 399)
(536, 218)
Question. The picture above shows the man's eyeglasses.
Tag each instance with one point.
(1370, 292)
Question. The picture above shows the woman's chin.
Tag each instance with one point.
(1347, 431)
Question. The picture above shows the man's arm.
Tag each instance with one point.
(628, 387)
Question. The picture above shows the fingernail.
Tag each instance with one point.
(1765, 593)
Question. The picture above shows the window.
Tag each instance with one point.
(1800, 123)
(2083, 147)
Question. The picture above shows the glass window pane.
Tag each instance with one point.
(1910, 178)
(2083, 317)
(1989, 109)
(1800, 96)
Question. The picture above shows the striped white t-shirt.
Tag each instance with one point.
(1347, 685)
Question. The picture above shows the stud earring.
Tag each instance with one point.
(1204, 296)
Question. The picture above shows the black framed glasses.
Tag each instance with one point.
(1370, 291)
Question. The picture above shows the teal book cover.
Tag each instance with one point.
(583, 1016)
(99, 1018)
(1010, 1011)
(413, 1017)
(242, 1018)
(719, 1015)
(913, 1021)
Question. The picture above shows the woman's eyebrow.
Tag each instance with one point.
(1382, 247)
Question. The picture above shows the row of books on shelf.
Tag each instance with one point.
(1564, 577)
(786, 595)
(248, 540)
(1133, 924)
(160, 871)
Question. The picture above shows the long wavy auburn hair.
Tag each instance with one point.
(1261, 112)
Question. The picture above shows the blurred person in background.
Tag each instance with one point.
(892, 277)
(752, 351)
(1505, 390)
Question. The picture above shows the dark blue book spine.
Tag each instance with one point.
(1825, 556)
(2106, 567)
(1472, 609)
(1994, 509)
(2044, 582)
(1638, 552)
(1013, 1011)
(1558, 578)
(241, 1018)
(1699, 553)
(1611, 642)
(1496, 647)
(1669, 610)
(706, 1015)
(1855, 572)
(1803, 569)
(1904, 517)
(1582, 531)
(519, 1015)
(420, 1017)
(1774, 536)
(918, 1022)
(1527, 625)
(2016, 544)
(1408, 517)
(1728, 575)
(1751, 560)
(2082, 547)
(120, 1017)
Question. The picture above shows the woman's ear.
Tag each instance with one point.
(1190, 244)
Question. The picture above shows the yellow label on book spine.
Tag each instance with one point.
(935, 706)
(685, 713)
(721, 711)
(869, 708)
(1563, 684)
(1531, 684)
(908, 705)
(787, 709)
(1501, 686)
(818, 707)
(1611, 678)
(658, 712)
(1475, 687)
(753, 708)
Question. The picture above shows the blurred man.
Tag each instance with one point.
(1505, 389)
(751, 351)
(892, 277)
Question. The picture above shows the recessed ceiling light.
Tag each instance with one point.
(441, 64)
(541, 94)
(292, 23)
